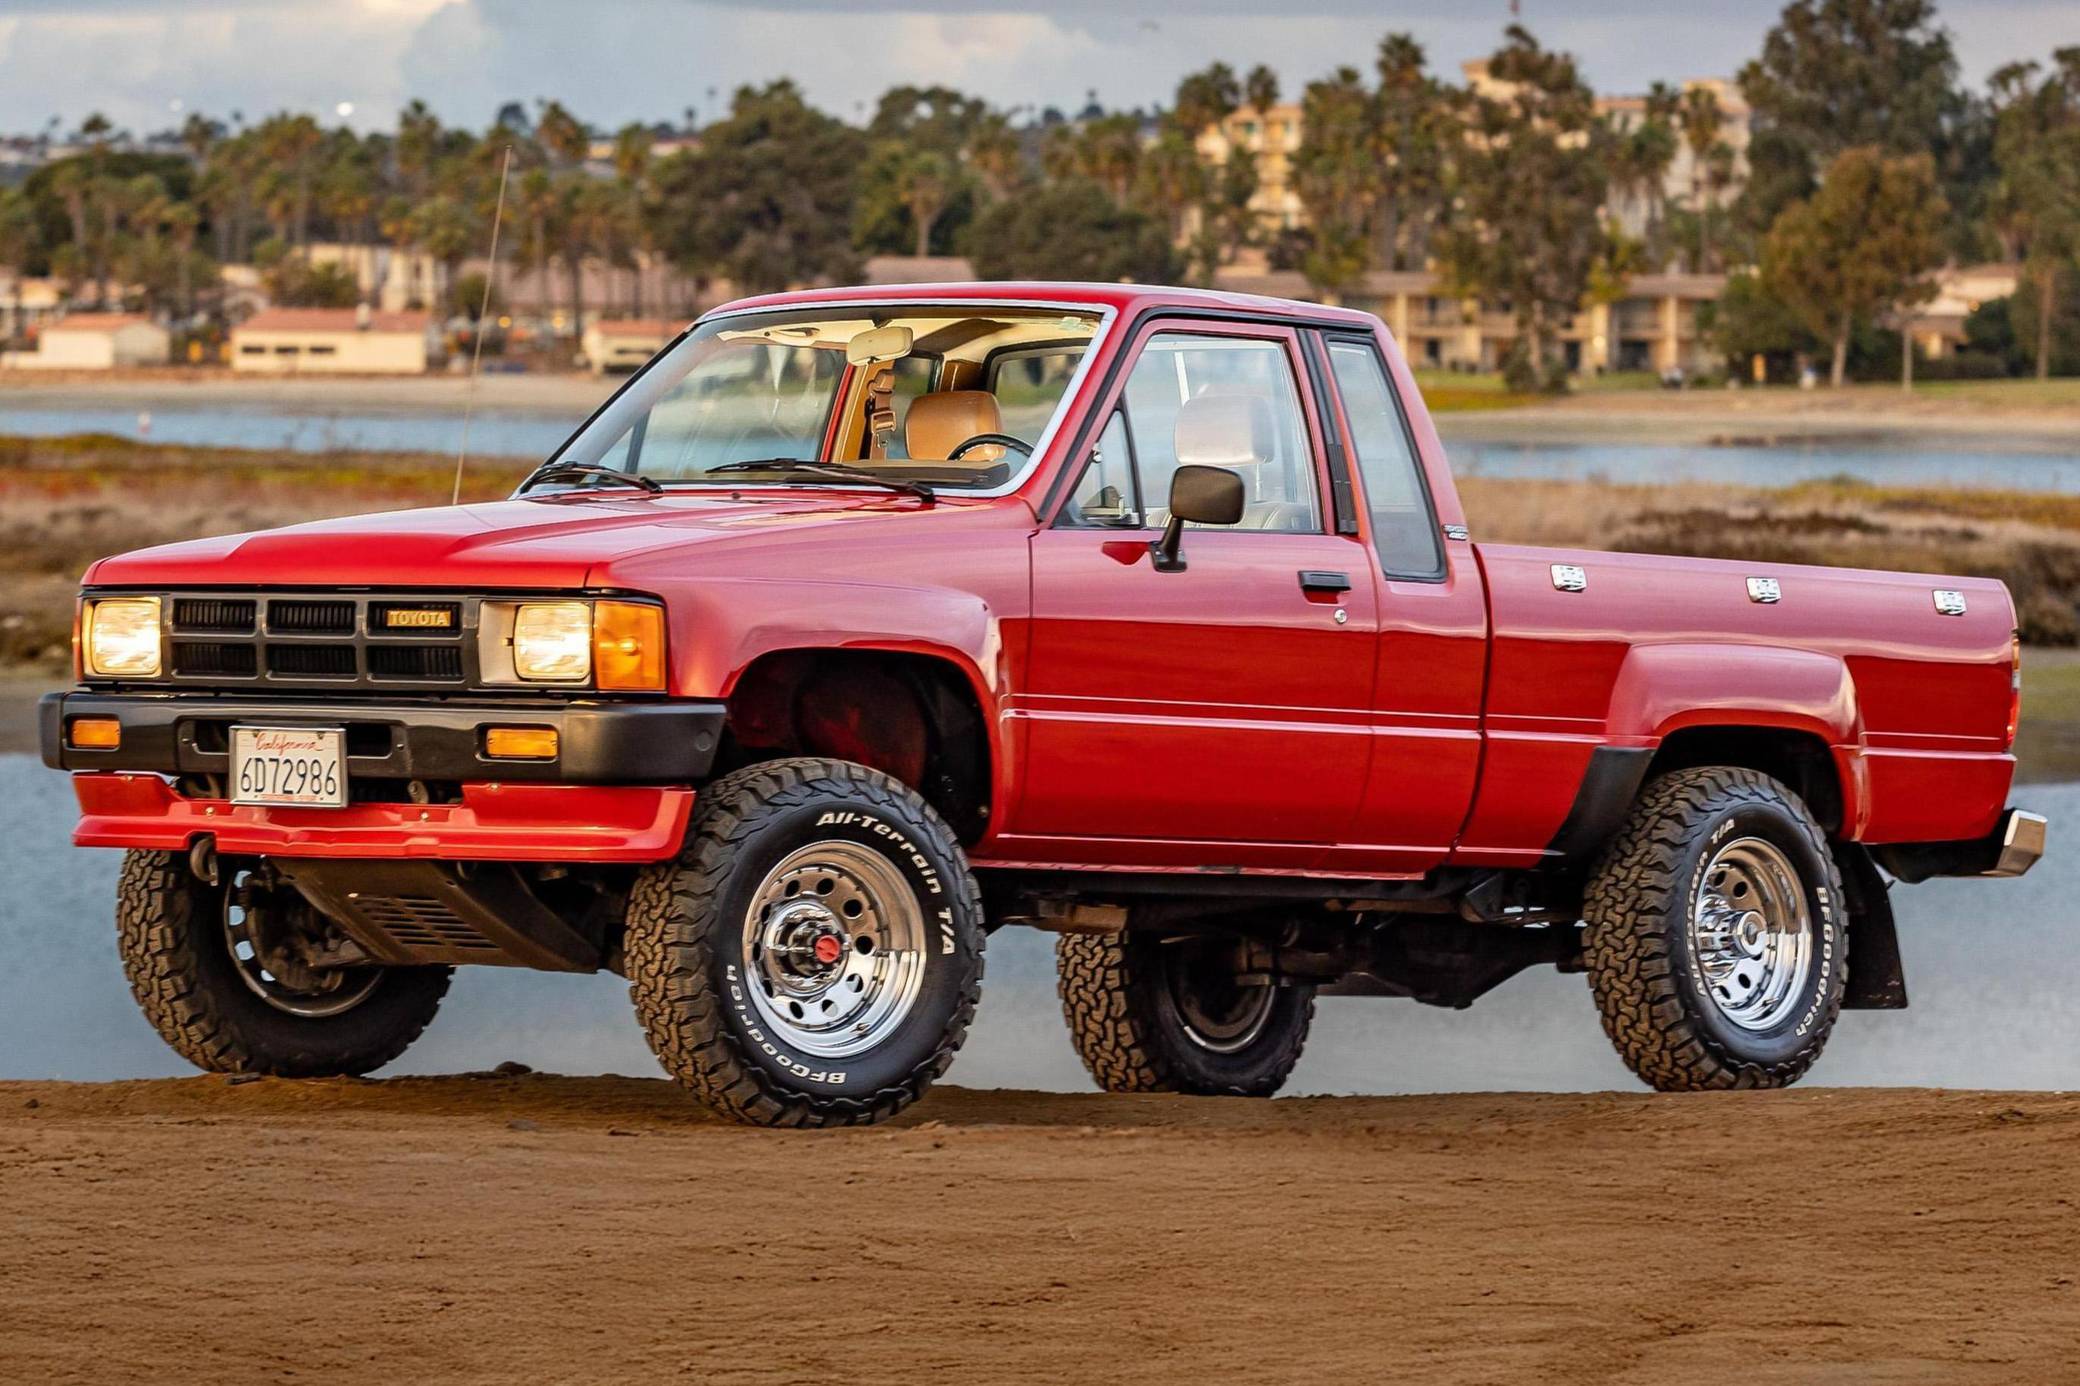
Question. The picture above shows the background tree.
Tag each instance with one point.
(767, 198)
(1260, 89)
(1419, 123)
(19, 241)
(1530, 229)
(1340, 174)
(1838, 74)
(1070, 229)
(1864, 242)
(2035, 200)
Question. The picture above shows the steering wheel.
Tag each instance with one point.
(1000, 440)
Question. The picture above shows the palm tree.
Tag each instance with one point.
(994, 152)
(924, 183)
(1261, 89)
(540, 206)
(18, 241)
(1703, 121)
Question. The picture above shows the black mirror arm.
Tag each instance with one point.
(1165, 553)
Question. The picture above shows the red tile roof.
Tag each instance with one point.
(638, 327)
(334, 320)
(95, 322)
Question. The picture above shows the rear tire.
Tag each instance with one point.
(1717, 947)
(1149, 1014)
(212, 1009)
(814, 955)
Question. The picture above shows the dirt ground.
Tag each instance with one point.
(562, 1229)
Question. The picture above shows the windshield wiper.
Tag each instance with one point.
(591, 469)
(837, 471)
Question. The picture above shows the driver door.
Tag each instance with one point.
(1217, 715)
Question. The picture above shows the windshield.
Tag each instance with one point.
(953, 396)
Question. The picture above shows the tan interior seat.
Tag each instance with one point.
(1236, 431)
(940, 422)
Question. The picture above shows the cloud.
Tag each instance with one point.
(621, 60)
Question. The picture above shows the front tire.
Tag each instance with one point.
(188, 952)
(1154, 1014)
(814, 955)
(1716, 944)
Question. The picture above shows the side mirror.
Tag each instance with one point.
(1202, 495)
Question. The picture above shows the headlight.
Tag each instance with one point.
(552, 642)
(122, 637)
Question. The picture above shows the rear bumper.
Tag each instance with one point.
(600, 743)
(2012, 848)
(494, 822)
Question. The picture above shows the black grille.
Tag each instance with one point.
(322, 641)
(292, 617)
(428, 661)
(311, 661)
(228, 616)
(205, 659)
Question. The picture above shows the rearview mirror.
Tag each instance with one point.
(880, 344)
(1202, 495)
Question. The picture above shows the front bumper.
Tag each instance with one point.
(2012, 848)
(186, 733)
(620, 789)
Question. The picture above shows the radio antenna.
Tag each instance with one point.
(476, 344)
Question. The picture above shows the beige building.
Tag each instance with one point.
(1938, 325)
(344, 341)
(96, 342)
(1271, 138)
(623, 344)
(1653, 327)
(25, 302)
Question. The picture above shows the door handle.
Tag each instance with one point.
(1318, 580)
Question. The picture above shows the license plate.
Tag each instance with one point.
(302, 767)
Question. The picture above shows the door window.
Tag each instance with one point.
(1196, 398)
(1402, 526)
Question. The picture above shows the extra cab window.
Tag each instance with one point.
(1402, 526)
(1218, 401)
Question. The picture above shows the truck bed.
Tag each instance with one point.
(1914, 705)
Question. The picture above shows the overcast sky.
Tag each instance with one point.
(146, 62)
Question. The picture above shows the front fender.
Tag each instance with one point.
(721, 626)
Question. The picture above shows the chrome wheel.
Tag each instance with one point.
(835, 946)
(1218, 1012)
(260, 929)
(1751, 931)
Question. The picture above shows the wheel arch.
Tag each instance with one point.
(918, 714)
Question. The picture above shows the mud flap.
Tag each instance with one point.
(1877, 974)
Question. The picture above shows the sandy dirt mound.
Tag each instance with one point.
(506, 1229)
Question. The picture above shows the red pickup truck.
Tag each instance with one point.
(863, 622)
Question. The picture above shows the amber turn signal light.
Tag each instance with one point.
(628, 647)
(520, 743)
(94, 733)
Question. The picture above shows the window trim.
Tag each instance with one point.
(1286, 336)
(1327, 341)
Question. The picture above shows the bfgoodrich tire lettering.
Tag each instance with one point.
(1658, 934)
(773, 858)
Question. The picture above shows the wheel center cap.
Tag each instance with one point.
(828, 949)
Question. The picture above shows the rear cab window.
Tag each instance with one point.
(1397, 500)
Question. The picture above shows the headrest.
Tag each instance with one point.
(1224, 431)
(939, 423)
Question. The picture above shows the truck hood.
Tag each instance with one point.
(558, 541)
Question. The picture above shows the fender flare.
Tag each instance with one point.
(1667, 688)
